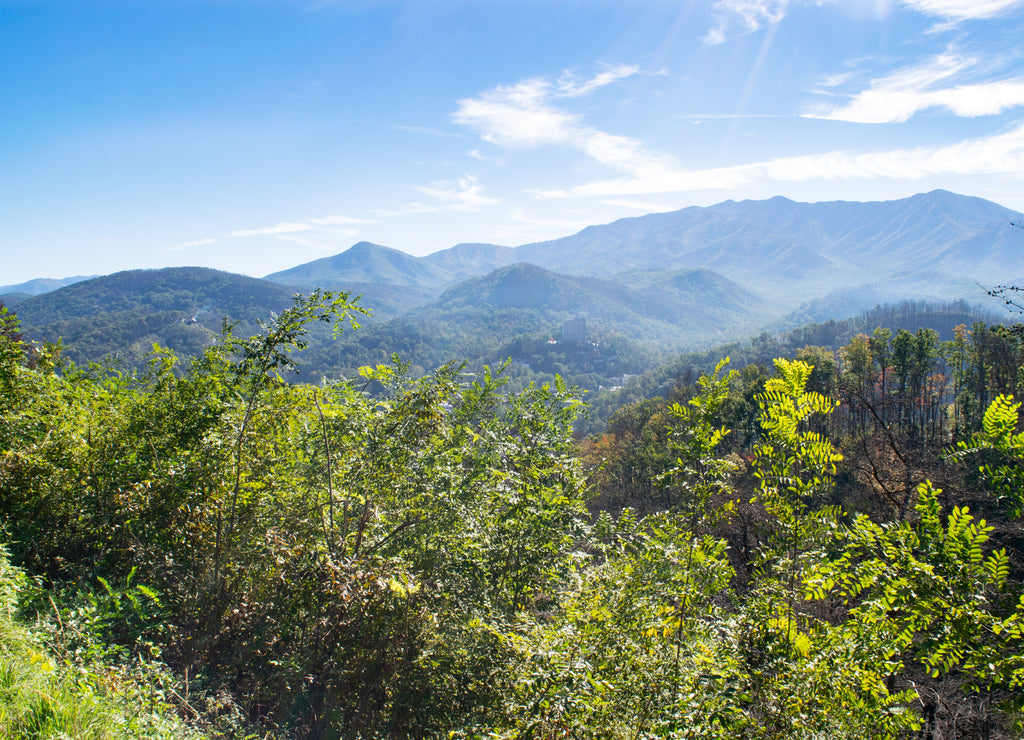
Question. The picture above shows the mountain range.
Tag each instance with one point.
(677, 280)
(936, 245)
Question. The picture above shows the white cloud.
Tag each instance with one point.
(186, 245)
(304, 241)
(964, 9)
(750, 15)
(522, 226)
(835, 80)
(301, 241)
(897, 97)
(287, 227)
(517, 115)
(570, 87)
(744, 16)
(464, 194)
(997, 154)
(338, 220)
(298, 227)
(522, 116)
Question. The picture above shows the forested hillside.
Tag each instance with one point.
(826, 339)
(118, 318)
(124, 314)
(826, 547)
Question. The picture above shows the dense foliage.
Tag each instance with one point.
(762, 349)
(122, 315)
(398, 556)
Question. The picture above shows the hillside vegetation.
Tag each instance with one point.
(788, 553)
(124, 314)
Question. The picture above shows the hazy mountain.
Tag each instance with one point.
(464, 261)
(683, 307)
(389, 281)
(364, 263)
(801, 251)
(13, 299)
(680, 279)
(42, 285)
(935, 246)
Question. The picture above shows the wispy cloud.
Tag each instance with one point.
(521, 226)
(339, 220)
(286, 227)
(409, 209)
(305, 241)
(961, 10)
(301, 241)
(569, 86)
(297, 227)
(897, 97)
(748, 15)
(734, 17)
(525, 115)
(1001, 153)
(835, 80)
(187, 245)
(462, 195)
(517, 115)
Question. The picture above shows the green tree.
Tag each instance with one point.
(881, 350)
(794, 465)
(927, 596)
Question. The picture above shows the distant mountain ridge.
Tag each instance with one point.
(783, 240)
(38, 286)
(363, 262)
(391, 281)
(781, 250)
(671, 281)
(464, 261)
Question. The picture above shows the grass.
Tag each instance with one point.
(46, 692)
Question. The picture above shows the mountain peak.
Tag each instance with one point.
(364, 246)
(362, 263)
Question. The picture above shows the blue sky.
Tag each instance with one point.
(254, 135)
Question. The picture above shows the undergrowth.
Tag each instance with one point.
(54, 682)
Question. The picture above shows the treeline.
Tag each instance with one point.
(905, 395)
(397, 556)
(763, 348)
(480, 337)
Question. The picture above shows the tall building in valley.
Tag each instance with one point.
(575, 330)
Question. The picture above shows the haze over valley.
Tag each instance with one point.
(663, 283)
